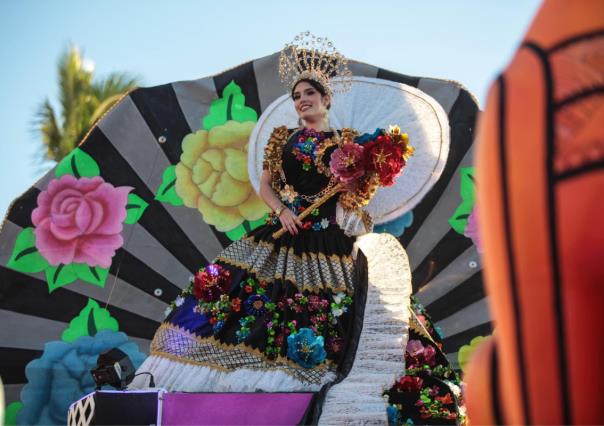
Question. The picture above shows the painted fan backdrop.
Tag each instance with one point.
(157, 188)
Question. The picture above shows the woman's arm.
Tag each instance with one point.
(288, 219)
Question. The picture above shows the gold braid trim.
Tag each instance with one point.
(347, 135)
(273, 154)
(366, 189)
(321, 167)
(225, 350)
(305, 258)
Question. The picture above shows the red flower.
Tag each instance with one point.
(248, 288)
(236, 304)
(409, 384)
(385, 157)
(445, 399)
(213, 320)
(211, 282)
(348, 162)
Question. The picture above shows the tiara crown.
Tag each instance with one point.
(314, 58)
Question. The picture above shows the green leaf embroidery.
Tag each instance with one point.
(59, 276)
(166, 192)
(25, 256)
(231, 106)
(89, 321)
(134, 208)
(78, 164)
(91, 274)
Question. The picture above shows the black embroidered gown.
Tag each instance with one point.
(271, 315)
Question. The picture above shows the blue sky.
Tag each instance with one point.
(468, 41)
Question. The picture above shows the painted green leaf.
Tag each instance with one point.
(459, 220)
(10, 414)
(245, 227)
(89, 321)
(134, 208)
(468, 184)
(256, 223)
(236, 233)
(231, 106)
(166, 192)
(78, 164)
(91, 274)
(25, 256)
(59, 276)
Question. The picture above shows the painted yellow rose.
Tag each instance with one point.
(212, 176)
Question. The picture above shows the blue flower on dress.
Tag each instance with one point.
(316, 226)
(305, 348)
(255, 305)
(216, 328)
(394, 415)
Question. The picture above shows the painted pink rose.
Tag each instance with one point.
(472, 231)
(80, 220)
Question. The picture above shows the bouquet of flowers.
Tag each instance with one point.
(364, 164)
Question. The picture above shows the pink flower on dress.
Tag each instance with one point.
(471, 230)
(347, 162)
(80, 220)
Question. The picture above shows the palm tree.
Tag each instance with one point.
(83, 101)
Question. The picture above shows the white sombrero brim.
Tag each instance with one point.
(373, 103)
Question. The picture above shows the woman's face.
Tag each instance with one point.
(309, 103)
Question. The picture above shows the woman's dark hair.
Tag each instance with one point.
(317, 86)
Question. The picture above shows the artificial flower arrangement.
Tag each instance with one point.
(362, 165)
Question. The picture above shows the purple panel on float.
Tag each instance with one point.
(234, 408)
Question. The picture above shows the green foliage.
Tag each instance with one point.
(25, 256)
(166, 192)
(78, 164)
(135, 208)
(89, 321)
(82, 101)
(231, 106)
(459, 219)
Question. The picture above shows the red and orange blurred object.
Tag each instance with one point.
(541, 167)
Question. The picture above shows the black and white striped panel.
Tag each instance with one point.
(169, 243)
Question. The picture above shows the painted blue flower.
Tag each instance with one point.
(255, 305)
(305, 348)
(397, 226)
(62, 375)
(316, 226)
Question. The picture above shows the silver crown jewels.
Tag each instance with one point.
(317, 59)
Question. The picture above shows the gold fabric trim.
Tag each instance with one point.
(176, 343)
(313, 272)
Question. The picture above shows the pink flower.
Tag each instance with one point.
(80, 220)
(347, 162)
(415, 347)
(471, 230)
